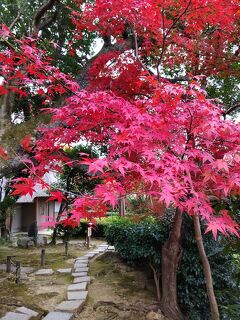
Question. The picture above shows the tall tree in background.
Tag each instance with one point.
(144, 102)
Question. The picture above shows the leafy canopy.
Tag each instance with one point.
(162, 138)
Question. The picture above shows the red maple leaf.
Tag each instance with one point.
(3, 154)
(3, 90)
(56, 195)
(25, 143)
(23, 187)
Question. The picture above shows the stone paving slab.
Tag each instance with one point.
(27, 311)
(82, 259)
(67, 270)
(80, 265)
(3, 267)
(70, 305)
(79, 274)
(77, 295)
(13, 268)
(57, 315)
(83, 262)
(45, 272)
(81, 279)
(16, 316)
(90, 255)
(27, 269)
(82, 286)
(82, 269)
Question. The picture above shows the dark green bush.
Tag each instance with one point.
(140, 243)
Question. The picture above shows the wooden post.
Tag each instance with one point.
(9, 265)
(88, 242)
(43, 258)
(18, 271)
(66, 248)
(89, 233)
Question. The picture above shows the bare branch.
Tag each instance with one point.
(137, 53)
(49, 20)
(169, 30)
(15, 20)
(40, 13)
(231, 109)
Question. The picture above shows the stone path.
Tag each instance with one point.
(76, 292)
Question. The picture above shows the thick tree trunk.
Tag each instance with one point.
(206, 270)
(171, 253)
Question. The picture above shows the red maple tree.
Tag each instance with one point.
(163, 139)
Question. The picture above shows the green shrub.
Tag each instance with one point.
(140, 243)
(191, 284)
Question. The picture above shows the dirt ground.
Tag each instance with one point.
(116, 292)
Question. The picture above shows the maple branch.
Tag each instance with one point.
(137, 53)
(231, 109)
(40, 13)
(178, 79)
(15, 20)
(156, 276)
(237, 52)
(169, 30)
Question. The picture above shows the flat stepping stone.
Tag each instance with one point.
(81, 279)
(77, 295)
(16, 316)
(79, 274)
(82, 286)
(85, 262)
(70, 305)
(80, 265)
(57, 315)
(27, 311)
(3, 267)
(82, 259)
(91, 255)
(45, 272)
(68, 270)
(83, 269)
(27, 269)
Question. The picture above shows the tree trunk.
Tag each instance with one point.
(122, 207)
(156, 276)
(4, 232)
(171, 253)
(6, 103)
(206, 270)
(54, 235)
